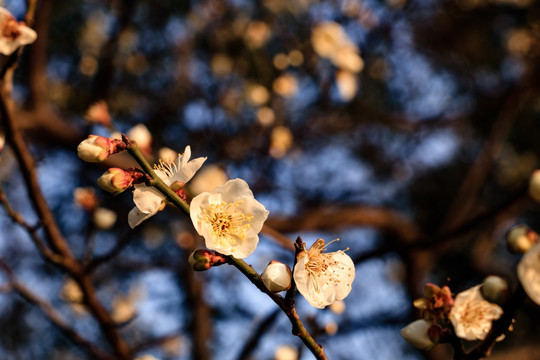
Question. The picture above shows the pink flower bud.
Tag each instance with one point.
(201, 259)
(277, 277)
(115, 180)
(95, 148)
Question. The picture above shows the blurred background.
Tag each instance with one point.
(408, 129)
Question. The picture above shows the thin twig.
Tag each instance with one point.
(53, 315)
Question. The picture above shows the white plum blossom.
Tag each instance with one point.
(529, 273)
(229, 218)
(148, 200)
(13, 34)
(323, 278)
(472, 315)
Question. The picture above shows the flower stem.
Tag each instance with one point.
(287, 304)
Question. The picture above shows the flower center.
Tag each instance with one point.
(323, 265)
(168, 166)
(227, 222)
(11, 29)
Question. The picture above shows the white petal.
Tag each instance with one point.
(186, 168)
(135, 217)
(147, 199)
(26, 36)
(345, 271)
(529, 273)
(234, 189)
(198, 203)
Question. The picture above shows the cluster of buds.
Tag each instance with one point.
(202, 259)
(98, 148)
(436, 304)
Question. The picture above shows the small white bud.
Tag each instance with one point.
(277, 277)
(416, 334)
(520, 238)
(94, 149)
(495, 290)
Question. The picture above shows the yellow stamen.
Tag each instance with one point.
(227, 222)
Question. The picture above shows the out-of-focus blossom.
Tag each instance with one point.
(209, 178)
(72, 294)
(331, 42)
(520, 238)
(95, 148)
(257, 34)
(472, 315)
(337, 307)
(534, 185)
(265, 116)
(115, 180)
(296, 58)
(257, 94)
(323, 278)
(529, 273)
(98, 113)
(281, 61)
(148, 200)
(277, 277)
(285, 85)
(2, 141)
(104, 218)
(85, 198)
(123, 309)
(13, 34)
(347, 58)
(229, 218)
(281, 141)
(221, 65)
(346, 85)
(519, 41)
(416, 334)
(140, 134)
(286, 352)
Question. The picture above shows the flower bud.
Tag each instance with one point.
(534, 185)
(95, 148)
(416, 334)
(277, 277)
(520, 238)
(201, 259)
(115, 180)
(104, 218)
(495, 290)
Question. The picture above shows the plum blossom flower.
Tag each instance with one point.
(148, 200)
(323, 278)
(229, 218)
(13, 34)
(472, 316)
(528, 271)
